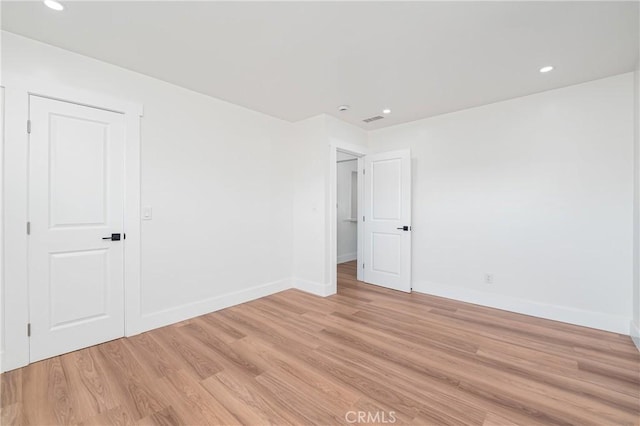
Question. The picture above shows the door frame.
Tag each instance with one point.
(359, 151)
(15, 303)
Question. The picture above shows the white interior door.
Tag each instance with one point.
(76, 199)
(387, 219)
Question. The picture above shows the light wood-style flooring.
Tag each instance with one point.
(367, 353)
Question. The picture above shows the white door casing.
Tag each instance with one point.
(76, 198)
(387, 219)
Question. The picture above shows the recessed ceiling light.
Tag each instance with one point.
(53, 4)
(386, 111)
(343, 108)
(546, 69)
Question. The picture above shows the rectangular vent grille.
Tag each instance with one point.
(370, 119)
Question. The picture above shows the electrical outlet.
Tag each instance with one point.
(488, 278)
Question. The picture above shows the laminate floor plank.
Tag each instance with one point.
(219, 351)
(250, 395)
(35, 394)
(12, 414)
(223, 331)
(366, 354)
(88, 388)
(165, 417)
(504, 389)
(137, 390)
(11, 388)
(431, 390)
(430, 395)
(157, 360)
(192, 403)
(311, 380)
(194, 355)
(116, 416)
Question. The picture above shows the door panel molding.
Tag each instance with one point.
(14, 202)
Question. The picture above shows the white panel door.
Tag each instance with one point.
(76, 199)
(387, 219)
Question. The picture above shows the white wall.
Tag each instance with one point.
(313, 263)
(346, 229)
(537, 191)
(340, 132)
(217, 175)
(309, 156)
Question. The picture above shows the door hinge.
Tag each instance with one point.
(363, 171)
(363, 266)
(28, 228)
(29, 330)
(28, 126)
(363, 218)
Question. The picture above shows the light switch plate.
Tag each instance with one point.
(146, 213)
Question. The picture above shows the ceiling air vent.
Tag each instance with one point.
(370, 119)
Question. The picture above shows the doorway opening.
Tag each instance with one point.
(382, 200)
(350, 216)
(347, 213)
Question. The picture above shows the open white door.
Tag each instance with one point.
(387, 219)
(76, 213)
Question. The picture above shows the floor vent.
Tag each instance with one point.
(370, 119)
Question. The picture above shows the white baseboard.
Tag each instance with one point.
(635, 334)
(312, 287)
(201, 307)
(607, 322)
(347, 257)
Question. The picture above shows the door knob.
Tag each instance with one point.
(113, 237)
(404, 228)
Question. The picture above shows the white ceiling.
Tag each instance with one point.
(294, 60)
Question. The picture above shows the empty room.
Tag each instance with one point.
(320, 213)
